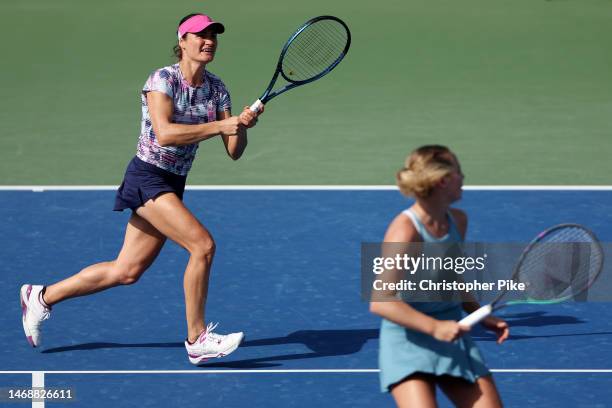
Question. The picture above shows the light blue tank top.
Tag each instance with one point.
(453, 235)
(404, 351)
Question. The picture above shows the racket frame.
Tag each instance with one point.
(268, 94)
(486, 310)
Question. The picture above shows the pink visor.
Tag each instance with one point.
(197, 23)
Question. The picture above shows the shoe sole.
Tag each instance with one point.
(24, 294)
(206, 357)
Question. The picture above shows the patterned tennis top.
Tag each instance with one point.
(192, 105)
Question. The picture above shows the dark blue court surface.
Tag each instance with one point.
(287, 272)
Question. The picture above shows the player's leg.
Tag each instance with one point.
(464, 394)
(170, 216)
(141, 246)
(418, 391)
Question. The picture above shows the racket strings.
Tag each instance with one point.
(561, 264)
(320, 45)
(316, 49)
(310, 57)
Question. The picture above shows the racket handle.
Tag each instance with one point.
(476, 316)
(256, 106)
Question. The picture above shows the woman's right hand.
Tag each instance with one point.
(448, 330)
(229, 126)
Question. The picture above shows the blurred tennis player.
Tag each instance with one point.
(421, 344)
(182, 105)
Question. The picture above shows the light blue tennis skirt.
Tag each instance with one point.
(404, 352)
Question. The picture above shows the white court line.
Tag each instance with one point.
(38, 381)
(293, 371)
(38, 377)
(550, 370)
(42, 188)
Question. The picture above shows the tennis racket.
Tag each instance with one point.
(309, 54)
(559, 264)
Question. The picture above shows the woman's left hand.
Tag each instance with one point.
(248, 118)
(497, 325)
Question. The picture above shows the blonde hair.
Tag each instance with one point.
(424, 168)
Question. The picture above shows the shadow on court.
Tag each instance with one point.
(102, 345)
(539, 319)
(534, 319)
(490, 337)
(327, 343)
(322, 343)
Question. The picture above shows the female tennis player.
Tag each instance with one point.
(182, 105)
(421, 344)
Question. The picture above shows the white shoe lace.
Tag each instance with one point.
(46, 311)
(213, 336)
(38, 322)
(44, 314)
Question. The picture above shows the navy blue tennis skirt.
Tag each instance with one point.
(144, 181)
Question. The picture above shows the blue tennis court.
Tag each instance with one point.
(287, 273)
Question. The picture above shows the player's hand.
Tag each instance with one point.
(229, 126)
(448, 330)
(249, 118)
(498, 326)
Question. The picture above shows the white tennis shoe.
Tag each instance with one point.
(212, 345)
(33, 312)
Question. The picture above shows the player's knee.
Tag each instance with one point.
(128, 275)
(128, 279)
(204, 248)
